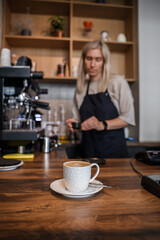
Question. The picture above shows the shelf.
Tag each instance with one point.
(54, 42)
(37, 41)
(109, 3)
(70, 80)
(102, 4)
(130, 80)
(119, 46)
(113, 45)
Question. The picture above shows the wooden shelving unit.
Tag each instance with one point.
(115, 16)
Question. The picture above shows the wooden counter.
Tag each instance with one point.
(30, 210)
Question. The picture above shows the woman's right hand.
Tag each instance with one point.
(69, 123)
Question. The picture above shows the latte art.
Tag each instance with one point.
(77, 164)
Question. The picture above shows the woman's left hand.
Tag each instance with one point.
(92, 123)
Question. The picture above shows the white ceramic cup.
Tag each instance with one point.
(5, 62)
(77, 175)
(5, 57)
(5, 52)
(121, 37)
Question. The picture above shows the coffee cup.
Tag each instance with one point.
(77, 175)
(76, 125)
(5, 57)
(121, 37)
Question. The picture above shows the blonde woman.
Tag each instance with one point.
(103, 104)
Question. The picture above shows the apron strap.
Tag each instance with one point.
(87, 88)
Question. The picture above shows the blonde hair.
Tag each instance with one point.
(102, 84)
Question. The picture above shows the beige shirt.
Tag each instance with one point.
(120, 94)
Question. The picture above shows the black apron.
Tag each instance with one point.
(101, 144)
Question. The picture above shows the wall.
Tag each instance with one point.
(1, 15)
(58, 94)
(149, 69)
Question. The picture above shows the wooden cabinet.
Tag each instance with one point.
(114, 16)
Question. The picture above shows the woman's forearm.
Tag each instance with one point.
(116, 123)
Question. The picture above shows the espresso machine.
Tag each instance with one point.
(20, 121)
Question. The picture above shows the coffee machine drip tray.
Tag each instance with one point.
(22, 134)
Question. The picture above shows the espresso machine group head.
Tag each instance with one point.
(19, 98)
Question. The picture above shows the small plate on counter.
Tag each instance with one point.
(9, 164)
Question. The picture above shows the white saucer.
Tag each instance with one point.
(59, 187)
(12, 167)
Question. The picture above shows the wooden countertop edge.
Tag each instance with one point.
(144, 144)
(129, 143)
